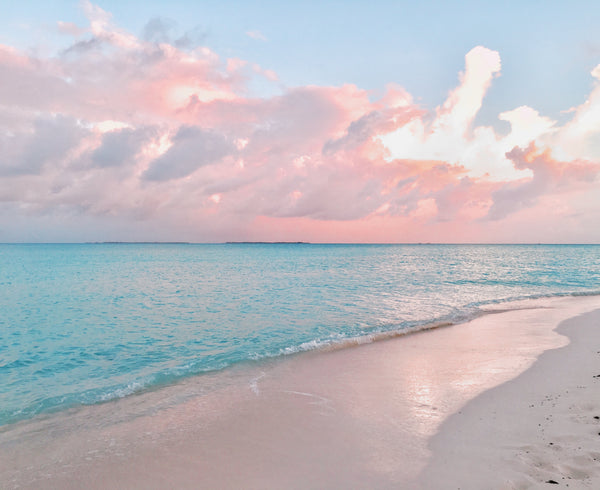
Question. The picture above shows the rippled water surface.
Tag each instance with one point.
(82, 324)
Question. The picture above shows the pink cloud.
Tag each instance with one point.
(118, 133)
(550, 178)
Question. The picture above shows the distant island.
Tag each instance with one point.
(267, 243)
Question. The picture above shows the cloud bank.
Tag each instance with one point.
(154, 138)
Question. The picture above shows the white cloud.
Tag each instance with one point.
(259, 36)
(450, 137)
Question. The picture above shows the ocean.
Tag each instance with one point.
(82, 324)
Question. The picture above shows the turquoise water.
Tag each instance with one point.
(82, 324)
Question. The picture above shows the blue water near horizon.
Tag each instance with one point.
(86, 323)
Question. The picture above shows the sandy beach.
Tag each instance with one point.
(503, 401)
(539, 429)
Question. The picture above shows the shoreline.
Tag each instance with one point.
(316, 346)
(366, 417)
(540, 428)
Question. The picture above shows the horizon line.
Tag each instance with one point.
(279, 242)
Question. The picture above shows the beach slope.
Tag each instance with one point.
(538, 430)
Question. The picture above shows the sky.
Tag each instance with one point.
(376, 122)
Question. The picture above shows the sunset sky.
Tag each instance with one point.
(302, 121)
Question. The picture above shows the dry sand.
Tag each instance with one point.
(440, 409)
(540, 430)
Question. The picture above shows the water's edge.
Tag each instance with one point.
(161, 380)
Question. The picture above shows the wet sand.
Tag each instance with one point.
(538, 430)
(420, 411)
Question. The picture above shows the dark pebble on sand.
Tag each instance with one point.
(553, 482)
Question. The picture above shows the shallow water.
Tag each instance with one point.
(82, 324)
